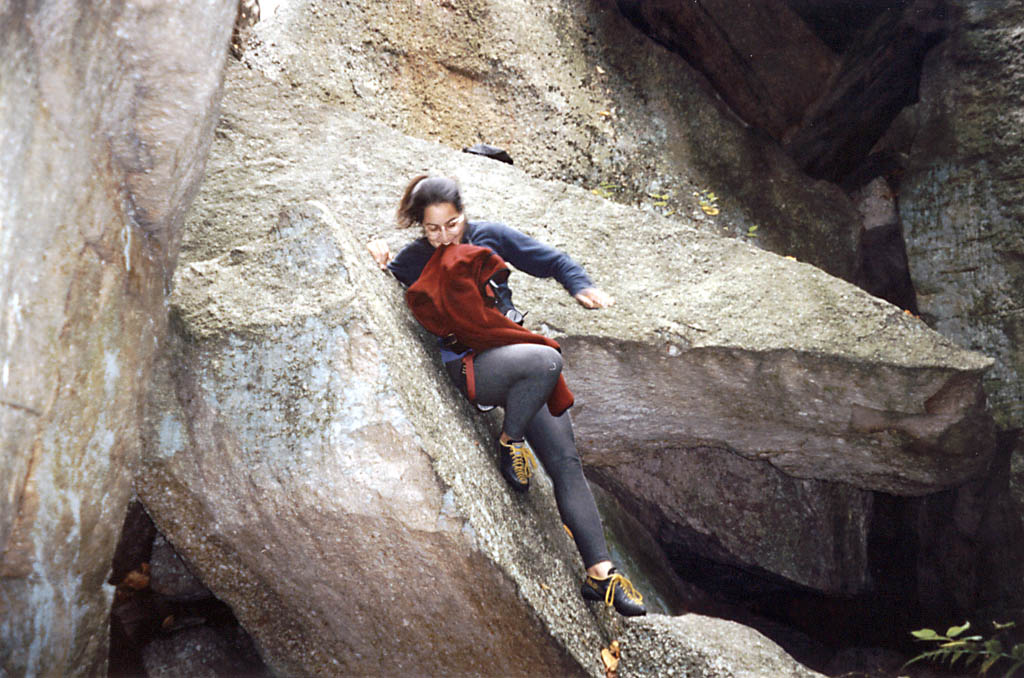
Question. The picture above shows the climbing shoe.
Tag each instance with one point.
(615, 590)
(516, 463)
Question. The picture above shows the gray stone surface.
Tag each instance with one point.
(962, 199)
(693, 646)
(107, 110)
(169, 574)
(743, 514)
(574, 92)
(324, 482)
(302, 418)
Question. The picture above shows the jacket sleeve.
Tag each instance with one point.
(409, 262)
(534, 257)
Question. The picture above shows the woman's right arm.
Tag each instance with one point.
(380, 252)
(407, 264)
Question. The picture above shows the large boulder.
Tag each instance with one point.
(302, 417)
(962, 201)
(326, 484)
(575, 93)
(107, 111)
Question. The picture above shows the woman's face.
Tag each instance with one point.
(443, 224)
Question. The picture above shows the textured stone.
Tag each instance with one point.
(201, 652)
(877, 77)
(745, 515)
(299, 420)
(573, 91)
(763, 60)
(693, 646)
(107, 111)
(323, 494)
(962, 200)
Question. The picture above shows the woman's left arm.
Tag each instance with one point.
(543, 261)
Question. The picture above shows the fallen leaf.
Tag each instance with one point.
(137, 579)
(545, 586)
(599, 70)
(610, 657)
(168, 622)
(606, 114)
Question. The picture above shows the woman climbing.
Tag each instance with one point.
(455, 281)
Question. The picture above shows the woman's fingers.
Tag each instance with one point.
(380, 252)
(593, 297)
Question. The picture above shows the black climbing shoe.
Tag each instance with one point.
(615, 590)
(516, 463)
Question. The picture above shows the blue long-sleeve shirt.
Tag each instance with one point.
(526, 254)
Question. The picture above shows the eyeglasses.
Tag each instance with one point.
(454, 222)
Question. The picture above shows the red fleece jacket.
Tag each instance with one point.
(451, 297)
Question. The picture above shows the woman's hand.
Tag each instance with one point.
(381, 253)
(594, 298)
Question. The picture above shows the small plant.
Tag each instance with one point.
(954, 646)
(661, 201)
(708, 202)
(605, 190)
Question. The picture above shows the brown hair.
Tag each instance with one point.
(422, 192)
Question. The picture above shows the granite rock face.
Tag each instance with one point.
(766, 63)
(107, 111)
(576, 94)
(302, 418)
(323, 494)
(961, 198)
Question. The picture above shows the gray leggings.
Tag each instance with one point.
(519, 378)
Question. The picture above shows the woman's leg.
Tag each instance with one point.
(519, 378)
(554, 444)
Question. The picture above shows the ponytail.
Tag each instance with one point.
(422, 192)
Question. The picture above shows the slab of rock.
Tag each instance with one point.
(743, 514)
(575, 93)
(962, 200)
(107, 111)
(702, 647)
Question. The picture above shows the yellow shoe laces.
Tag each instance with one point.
(523, 461)
(626, 586)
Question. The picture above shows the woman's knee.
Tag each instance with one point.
(544, 359)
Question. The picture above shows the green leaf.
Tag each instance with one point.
(1013, 669)
(993, 646)
(988, 664)
(955, 631)
(1002, 627)
(926, 634)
